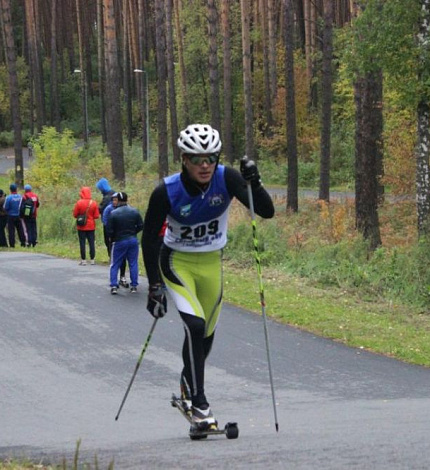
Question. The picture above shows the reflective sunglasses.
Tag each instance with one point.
(200, 159)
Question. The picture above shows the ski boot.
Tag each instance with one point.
(203, 418)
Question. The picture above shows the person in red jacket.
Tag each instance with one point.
(30, 218)
(87, 206)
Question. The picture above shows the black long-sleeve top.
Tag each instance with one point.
(159, 207)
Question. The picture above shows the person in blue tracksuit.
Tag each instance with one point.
(113, 204)
(123, 225)
(12, 206)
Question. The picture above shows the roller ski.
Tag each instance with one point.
(202, 422)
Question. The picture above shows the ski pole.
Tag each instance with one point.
(262, 301)
(145, 346)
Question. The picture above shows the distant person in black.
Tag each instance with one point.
(3, 219)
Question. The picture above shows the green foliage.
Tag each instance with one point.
(384, 36)
(24, 94)
(240, 245)
(400, 274)
(7, 138)
(55, 157)
(193, 17)
(95, 163)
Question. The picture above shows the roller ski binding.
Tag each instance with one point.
(205, 428)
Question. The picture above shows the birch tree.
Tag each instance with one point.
(423, 122)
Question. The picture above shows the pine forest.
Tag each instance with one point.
(323, 94)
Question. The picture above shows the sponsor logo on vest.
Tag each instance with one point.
(185, 210)
(216, 200)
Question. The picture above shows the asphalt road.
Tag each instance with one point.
(7, 159)
(68, 350)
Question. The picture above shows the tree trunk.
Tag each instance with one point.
(82, 72)
(422, 157)
(308, 49)
(266, 69)
(9, 43)
(36, 73)
(143, 82)
(180, 44)
(174, 131)
(313, 97)
(55, 107)
(126, 70)
(292, 178)
(100, 68)
(226, 35)
(423, 118)
(327, 93)
(163, 162)
(247, 80)
(133, 33)
(272, 51)
(88, 20)
(213, 65)
(113, 108)
(367, 141)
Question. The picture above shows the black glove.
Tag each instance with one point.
(250, 172)
(157, 302)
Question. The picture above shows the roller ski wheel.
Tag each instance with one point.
(202, 431)
(231, 431)
(195, 434)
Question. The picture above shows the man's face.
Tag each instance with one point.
(200, 167)
(114, 201)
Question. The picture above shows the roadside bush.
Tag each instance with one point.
(303, 246)
(55, 156)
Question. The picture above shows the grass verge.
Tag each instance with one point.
(394, 330)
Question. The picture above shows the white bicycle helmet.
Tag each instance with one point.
(199, 139)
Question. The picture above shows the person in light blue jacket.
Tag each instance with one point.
(104, 187)
(12, 206)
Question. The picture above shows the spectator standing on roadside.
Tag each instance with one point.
(3, 219)
(30, 218)
(104, 187)
(105, 217)
(14, 222)
(124, 223)
(87, 206)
